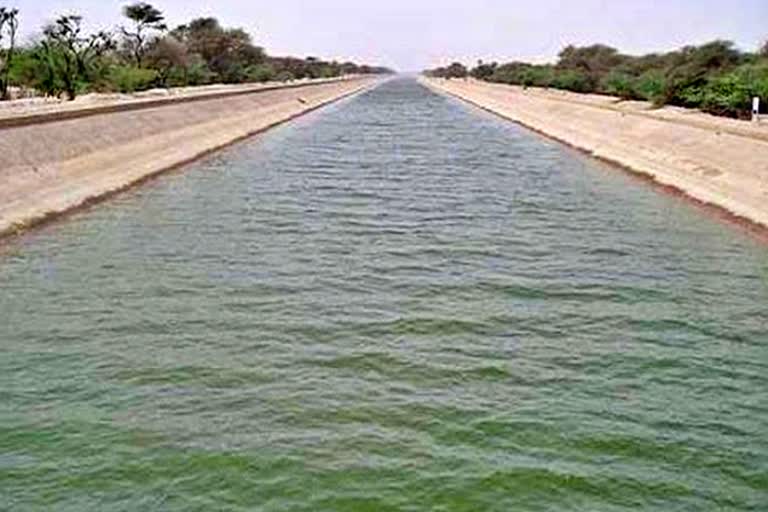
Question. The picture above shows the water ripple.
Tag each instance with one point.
(396, 303)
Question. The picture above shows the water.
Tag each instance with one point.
(396, 303)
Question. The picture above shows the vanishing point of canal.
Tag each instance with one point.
(396, 303)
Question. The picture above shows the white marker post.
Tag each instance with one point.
(755, 109)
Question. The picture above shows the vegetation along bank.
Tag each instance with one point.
(143, 53)
(715, 77)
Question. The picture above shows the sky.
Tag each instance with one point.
(411, 35)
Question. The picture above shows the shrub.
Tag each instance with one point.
(38, 70)
(456, 70)
(197, 73)
(571, 80)
(732, 94)
(619, 84)
(537, 76)
(510, 73)
(284, 76)
(483, 71)
(716, 76)
(651, 86)
(327, 72)
(127, 79)
(723, 96)
(261, 73)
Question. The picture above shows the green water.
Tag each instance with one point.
(395, 303)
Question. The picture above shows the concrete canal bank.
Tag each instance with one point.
(54, 159)
(721, 162)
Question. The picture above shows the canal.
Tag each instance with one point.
(398, 302)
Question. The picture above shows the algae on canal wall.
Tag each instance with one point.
(57, 161)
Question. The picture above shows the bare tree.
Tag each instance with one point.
(145, 18)
(72, 53)
(9, 25)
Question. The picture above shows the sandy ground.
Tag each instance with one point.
(719, 161)
(51, 165)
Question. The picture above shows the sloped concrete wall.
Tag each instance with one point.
(722, 162)
(52, 163)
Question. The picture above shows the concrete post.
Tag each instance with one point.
(755, 109)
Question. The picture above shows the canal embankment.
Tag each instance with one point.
(716, 161)
(58, 157)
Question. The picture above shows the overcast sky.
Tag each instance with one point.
(414, 34)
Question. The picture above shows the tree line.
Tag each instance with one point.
(715, 77)
(144, 53)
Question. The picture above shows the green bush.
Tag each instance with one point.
(715, 77)
(28, 70)
(756, 77)
(235, 73)
(650, 86)
(127, 79)
(261, 73)
(572, 80)
(39, 70)
(67, 60)
(726, 95)
(328, 72)
(510, 73)
(197, 73)
(618, 84)
(732, 94)
(537, 76)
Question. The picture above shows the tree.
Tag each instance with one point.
(457, 70)
(9, 24)
(349, 68)
(227, 52)
(67, 59)
(290, 66)
(618, 84)
(168, 56)
(483, 71)
(572, 80)
(145, 18)
(590, 59)
(69, 54)
(261, 73)
(690, 69)
(590, 63)
(764, 49)
(651, 85)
